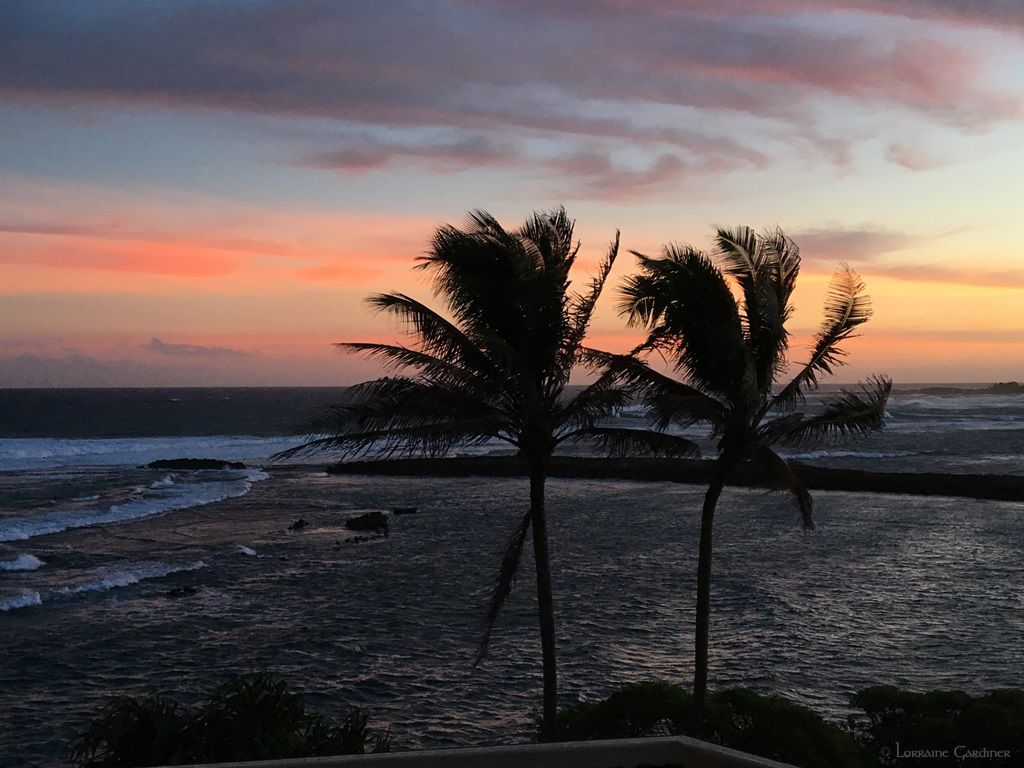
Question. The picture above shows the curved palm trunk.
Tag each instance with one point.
(700, 655)
(545, 601)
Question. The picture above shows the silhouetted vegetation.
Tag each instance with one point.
(730, 347)
(769, 726)
(497, 370)
(944, 728)
(950, 722)
(250, 717)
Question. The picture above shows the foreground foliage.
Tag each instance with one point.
(897, 727)
(968, 729)
(251, 717)
(769, 726)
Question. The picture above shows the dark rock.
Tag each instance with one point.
(404, 510)
(194, 464)
(299, 525)
(371, 521)
(187, 591)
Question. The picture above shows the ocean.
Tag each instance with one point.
(919, 592)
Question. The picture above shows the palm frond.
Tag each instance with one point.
(396, 357)
(684, 299)
(580, 306)
(601, 398)
(551, 234)
(623, 443)
(504, 582)
(397, 415)
(667, 400)
(435, 335)
(784, 479)
(740, 255)
(483, 274)
(755, 262)
(430, 440)
(786, 257)
(773, 430)
(852, 413)
(846, 308)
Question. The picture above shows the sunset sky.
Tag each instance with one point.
(203, 193)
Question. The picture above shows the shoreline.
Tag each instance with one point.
(697, 471)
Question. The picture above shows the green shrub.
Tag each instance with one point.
(652, 708)
(769, 726)
(936, 722)
(149, 730)
(249, 717)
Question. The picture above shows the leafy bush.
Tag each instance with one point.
(149, 730)
(940, 727)
(651, 708)
(769, 726)
(250, 717)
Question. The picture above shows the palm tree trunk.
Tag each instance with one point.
(700, 655)
(545, 601)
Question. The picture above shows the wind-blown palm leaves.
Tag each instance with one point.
(721, 320)
(497, 369)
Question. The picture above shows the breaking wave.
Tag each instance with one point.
(111, 580)
(22, 563)
(160, 497)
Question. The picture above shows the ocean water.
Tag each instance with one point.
(919, 592)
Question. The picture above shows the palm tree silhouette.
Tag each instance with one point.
(497, 370)
(731, 348)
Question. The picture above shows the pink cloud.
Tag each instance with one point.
(600, 71)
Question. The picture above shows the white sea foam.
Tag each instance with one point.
(22, 563)
(110, 580)
(976, 424)
(160, 500)
(126, 577)
(246, 550)
(24, 600)
(842, 454)
(51, 453)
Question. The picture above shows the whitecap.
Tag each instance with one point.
(176, 497)
(22, 563)
(246, 550)
(844, 454)
(24, 600)
(127, 576)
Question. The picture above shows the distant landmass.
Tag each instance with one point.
(999, 388)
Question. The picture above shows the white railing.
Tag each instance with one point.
(619, 753)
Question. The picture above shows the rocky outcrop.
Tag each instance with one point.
(186, 591)
(371, 521)
(190, 464)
